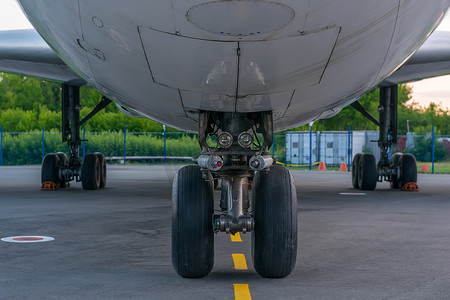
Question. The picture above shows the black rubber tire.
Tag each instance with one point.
(192, 218)
(367, 172)
(63, 164)
(102, 161)
(50, 169)
(274, 238)
(408, 169)
(395, 162)
(355, 167)
(90, 172)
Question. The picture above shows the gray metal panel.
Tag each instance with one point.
(328, 147)
(297, 147)
(333, 147)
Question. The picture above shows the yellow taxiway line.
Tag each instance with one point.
(241, 292)
(236, 237)
(239, 261)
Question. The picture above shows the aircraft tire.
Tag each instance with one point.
(90, 172)
(367, 172)
(395, 162)
(192, 231)
(355, 164)
(102, 161)
(274, 238)
(408, 169)
(63, 164)
(50, 169)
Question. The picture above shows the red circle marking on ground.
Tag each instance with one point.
(28, 239)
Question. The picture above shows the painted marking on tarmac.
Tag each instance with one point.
(236, 237)
(353, 194)
(239, 261)
(241, 292)
(28, 239)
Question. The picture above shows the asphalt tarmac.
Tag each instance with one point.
(115, 243)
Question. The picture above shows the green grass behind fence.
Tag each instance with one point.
(26, 148)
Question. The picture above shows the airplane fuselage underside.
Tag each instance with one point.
(168, 60)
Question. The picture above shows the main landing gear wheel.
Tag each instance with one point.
(408, 169)
(102, 161)
(90, 172)
(367, 172)
(63, 164)
(50, 169)
(274, 238)
(355, 167)
(395, 163)
(192, 218)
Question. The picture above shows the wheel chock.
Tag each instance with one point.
(410, 187)
(424, 168)
(343, 168)
(322, 166)
(49, 186)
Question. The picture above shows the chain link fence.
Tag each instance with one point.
(297, 148)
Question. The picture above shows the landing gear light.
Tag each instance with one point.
(225, 140)
(245, 140)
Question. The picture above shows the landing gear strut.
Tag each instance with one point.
(60, 169)
(401, 168)
(239, 155)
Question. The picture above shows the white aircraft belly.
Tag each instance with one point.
(189, 64)
(149, 56)
(215, 67)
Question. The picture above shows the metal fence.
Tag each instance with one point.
(298, 148)
(335, 148)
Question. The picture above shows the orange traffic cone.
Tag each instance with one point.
(343, 167)
(424, 168)
(322, 166)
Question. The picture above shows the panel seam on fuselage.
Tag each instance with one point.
(85, 52)
(145, 53)
(289, 104)
(390, 42)
(182, 105)
(331, 55)
(238, 54)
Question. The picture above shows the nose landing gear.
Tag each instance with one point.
(271, 215)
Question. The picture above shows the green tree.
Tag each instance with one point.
(420, 119)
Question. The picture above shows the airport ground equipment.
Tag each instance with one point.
(400, 169)
(59, 168)
(242, 151)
